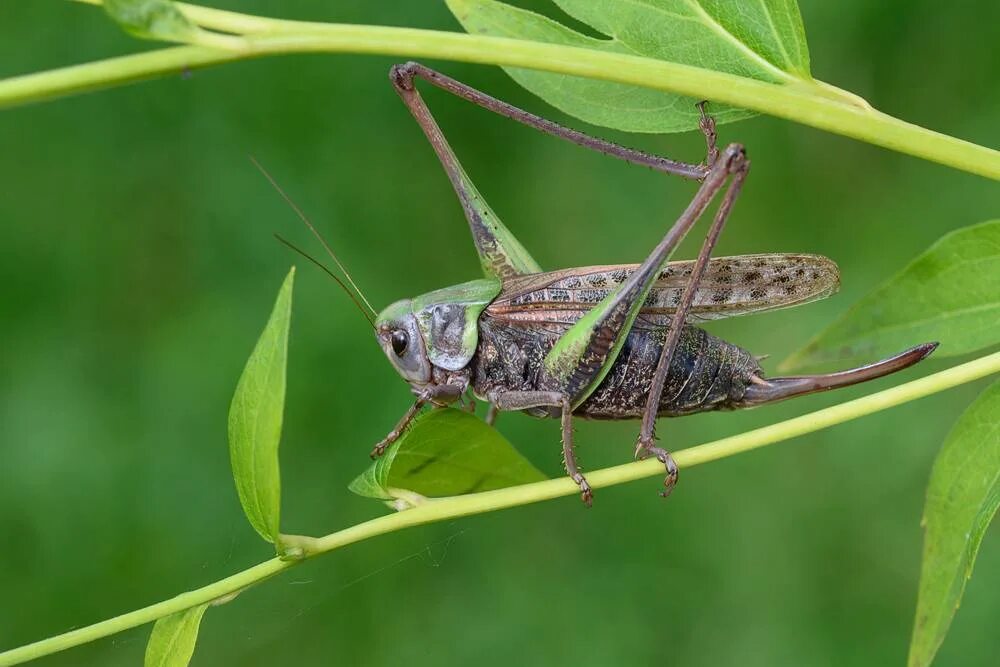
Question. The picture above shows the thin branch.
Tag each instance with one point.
(809, 102)
(478, 503)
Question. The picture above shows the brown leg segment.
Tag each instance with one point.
(522, 400)
(569, 455)
(499, 251)
(400, 428)
(402, 77)
(440, 395)
(737, 166)
(707, 126)
(644, 451)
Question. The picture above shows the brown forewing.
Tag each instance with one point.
(731, 286)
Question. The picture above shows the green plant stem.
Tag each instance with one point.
(478, 503)
(811, 103)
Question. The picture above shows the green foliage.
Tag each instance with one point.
(171, 644)
(772, 50)
(950, 293)
(962, 498)
(761, 40)
(446, 452)
(255, 420)
(151, 19)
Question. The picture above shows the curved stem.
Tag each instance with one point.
(489, 501)
(808, 102)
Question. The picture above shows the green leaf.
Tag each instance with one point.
(255, 420)
(962, 498)
(762, 40)
(950, 294)
(172, 641)
(445, 452)
(151, 19)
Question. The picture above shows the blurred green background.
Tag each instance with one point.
(137, 268)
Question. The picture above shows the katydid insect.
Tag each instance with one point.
(600, 342)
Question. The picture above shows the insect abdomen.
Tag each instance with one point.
(706, 373)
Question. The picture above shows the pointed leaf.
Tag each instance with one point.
(172, 641)
(962, 498)
(446, 452)
(950, 294)
(255, 420)
(762, 40)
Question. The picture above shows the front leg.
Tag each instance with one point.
(404, 423)
(522, 400)
(440, 395)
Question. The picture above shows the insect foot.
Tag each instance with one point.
(644, 448)
(395, 434)
(423, 397)
(707, 126)
(586, 493)
(379, 449)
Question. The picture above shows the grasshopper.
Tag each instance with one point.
(600, 342)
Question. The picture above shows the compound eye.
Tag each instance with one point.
(399, 342)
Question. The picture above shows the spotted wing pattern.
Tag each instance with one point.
(731, 286)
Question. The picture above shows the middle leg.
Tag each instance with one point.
(522, 400)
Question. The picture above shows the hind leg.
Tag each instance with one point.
(737, 166)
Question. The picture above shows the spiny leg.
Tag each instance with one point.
(402, 76)
(522, 400)
(439, 395)
(404, 423)
(738, 166)
(569, 455)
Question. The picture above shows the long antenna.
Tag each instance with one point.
(329, 273)
(319, 237)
